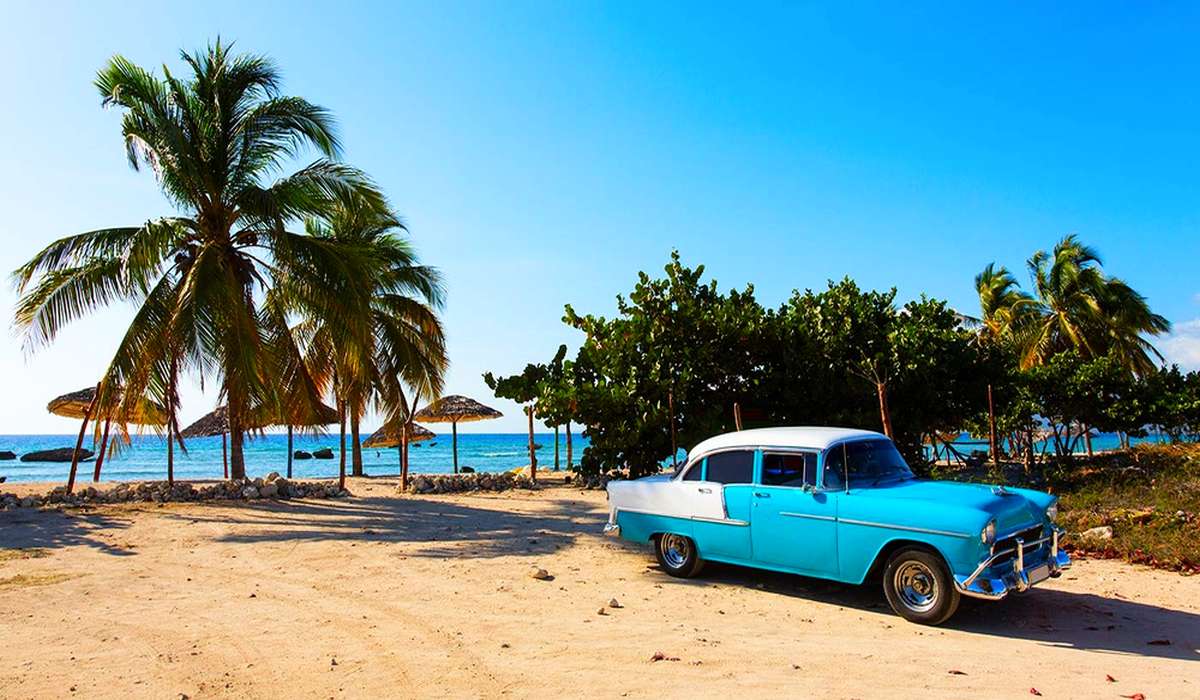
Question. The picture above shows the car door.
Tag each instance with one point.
(793, 525)
(729, 473)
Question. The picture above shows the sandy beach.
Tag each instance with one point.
(382, 595)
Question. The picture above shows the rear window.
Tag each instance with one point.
(789, 469)
(736, 467)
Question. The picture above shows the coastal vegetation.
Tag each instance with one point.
(682, 360)
(227, 289)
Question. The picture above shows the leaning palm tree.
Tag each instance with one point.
(396, 343)
(213, 138)
(1074, 306)
(1081, 308)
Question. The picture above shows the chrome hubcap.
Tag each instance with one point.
(675, 550)
(916, 586)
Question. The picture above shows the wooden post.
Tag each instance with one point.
(737, 415)
(454, 442)
(992, 429)
(87, 413)
(674, 444)
(289, 452)
(556, 448)
(225, 453)
(532, 451)
(103, 451)
(1087, 439)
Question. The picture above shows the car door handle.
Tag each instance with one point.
(705, 490)
(758, 494)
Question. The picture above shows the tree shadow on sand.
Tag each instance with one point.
(1083, 621)
(52, 529)
(445, 528)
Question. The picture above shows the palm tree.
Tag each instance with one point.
(396, 343)
(1074, 306)
(1002, 304)
(202, 279)
(1080, 307)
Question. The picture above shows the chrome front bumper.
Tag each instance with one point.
(991, 585)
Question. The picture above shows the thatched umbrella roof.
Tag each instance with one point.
(456, 409)
(77, 403)
(389, 437)
(217, 422)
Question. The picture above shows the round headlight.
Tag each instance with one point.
(1052, 512)
(988, 535)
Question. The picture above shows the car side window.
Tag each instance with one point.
(789, 469)
(734, 467)
(696, 473)
(835, 467)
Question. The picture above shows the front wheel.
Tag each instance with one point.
(677, 555)
(919, 587)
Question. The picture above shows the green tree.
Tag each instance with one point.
(199, 279)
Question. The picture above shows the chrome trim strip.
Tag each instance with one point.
(906, 528)
(810, 516)
(720, 521)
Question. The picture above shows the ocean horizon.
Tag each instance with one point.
(146, 457)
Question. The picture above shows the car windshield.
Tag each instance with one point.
(866, 463)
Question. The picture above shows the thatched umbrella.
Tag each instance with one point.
(455, 409)
(389, 436)
(217, 423)
(80, 405)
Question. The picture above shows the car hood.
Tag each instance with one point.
(1012, 509)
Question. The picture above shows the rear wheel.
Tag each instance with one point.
(677, 555)
(919, 587)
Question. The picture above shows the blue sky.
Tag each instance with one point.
(543, 153)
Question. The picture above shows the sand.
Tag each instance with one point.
(389, 596)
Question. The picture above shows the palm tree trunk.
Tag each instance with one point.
(170, 452)
(355, 447)
(885, 415)
(290, 453)
(992, 429)
(556, 448)
(342, 445)
(237, 458)
(225, 453)
(87, 414)
(532, 451)
(1087, 439)
(454, 442)
(570, 464)
(404, 457)
(103, 450)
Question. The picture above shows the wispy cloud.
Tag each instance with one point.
(1182, 346)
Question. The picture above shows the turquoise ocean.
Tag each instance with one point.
(146, 457)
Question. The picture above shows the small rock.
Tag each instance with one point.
(269, 490)
(601, 611)
(1104, 532)
(540, 574)
(614, 603)
(250, 491)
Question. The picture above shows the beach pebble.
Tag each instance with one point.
(1104, 532)
(601, 611)
(539, 574)
(269, 490)
(250, 491)
(614, 603)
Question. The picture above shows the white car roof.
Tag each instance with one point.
(811, 437)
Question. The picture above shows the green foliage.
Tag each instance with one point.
(821, 358)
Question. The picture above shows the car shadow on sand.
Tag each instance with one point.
(1083, 621)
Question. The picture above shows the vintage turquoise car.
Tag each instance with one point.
(841, 504)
